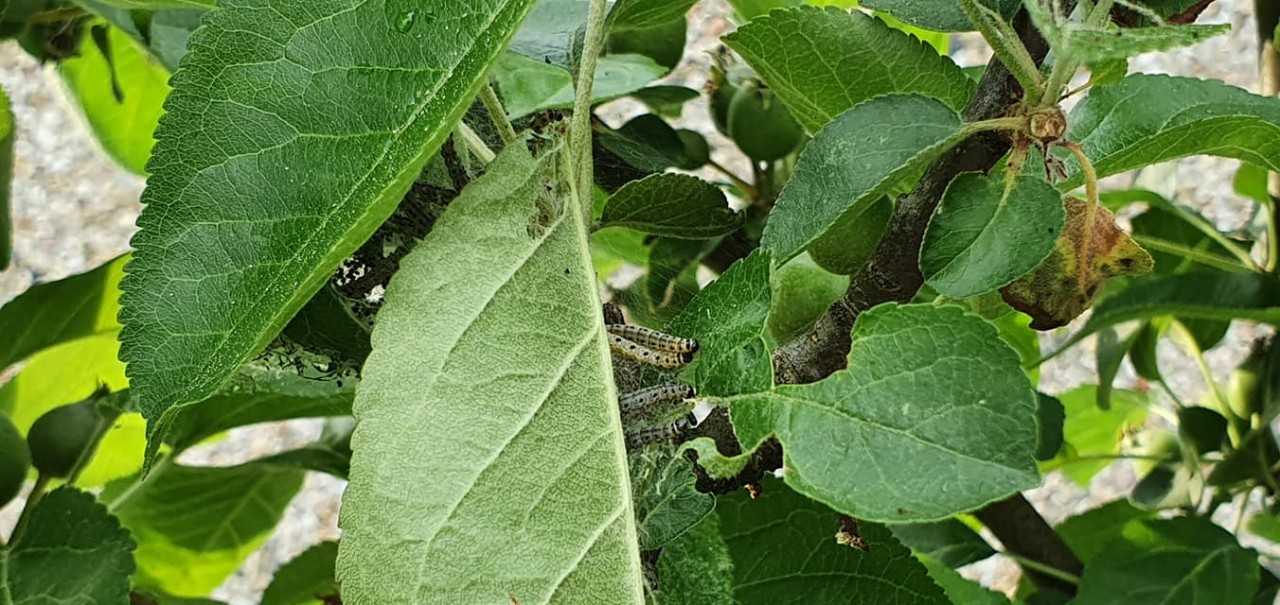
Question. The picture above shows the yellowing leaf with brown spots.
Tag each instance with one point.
(1091, 250)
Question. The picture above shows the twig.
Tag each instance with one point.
(1268, 13)
(497, 113)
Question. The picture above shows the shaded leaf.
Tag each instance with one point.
(1110, 351)
(958, 589)
(1088, 533)
(939, 15)
(531, 85)
(7, 134)
(196, 525)
(304, 579)
(159, 4)
(666, 101)
(663, 42)
(647, 13)
(260, 394)
(73, 551)
(1147, 119)
(647, 144)
(498, 311)
(1091, 250)
(170, 30)
(784, 551)
(696, 569)
(934, 416)
(667, 504)
(1186, 560)
(1199, 295)
(949, 542)
(824, 61)
(210, 285)
(123, 126)
(1050, 417)
(670, 261)
(987, 233)
(855, 160)
(672, 205)
(55, 312)
(727, 318)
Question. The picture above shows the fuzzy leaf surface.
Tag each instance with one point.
(497, 311)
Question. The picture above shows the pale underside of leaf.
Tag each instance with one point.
(292, 132)
(489, 363)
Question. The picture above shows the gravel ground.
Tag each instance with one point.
(74, 209)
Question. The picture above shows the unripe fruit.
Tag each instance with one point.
(802, 292)
(60, 436)
(1247, 388)
(761, 125)
(15, 460)
(847, 246)
(1161, 447)
(723, 87)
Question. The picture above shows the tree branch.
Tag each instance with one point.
(893, 275)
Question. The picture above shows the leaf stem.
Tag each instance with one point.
(737, 181)
(1006, 44)
(33, 499)
(497, 113)
(106, 418)
(1047, 570)
(1017, 124)
(1208, 259)
(475, 144)
(580, 126)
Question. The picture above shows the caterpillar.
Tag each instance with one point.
(644, 400)
(652, 435)
(653, 339)
(636, 352)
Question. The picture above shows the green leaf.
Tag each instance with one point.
(727, 318)
(672, 205)
(159, 4)
(1170, 561)
(259, 394)
(784, 551)
(1088, 533)
(664, 43)
(949, 542)
(1146, 119)
(123, 125)
(666, 101)
(170, 30)
(196, 525)
(493, 311)
(73, 551)
(1199, 295)
(246, 213)
(646, 143)
(304, 579)
(7, 134)
(552, 31)
(1050, 417)
(1091, 432)
(56, 312)
(823, 62)
(667, 504)
(934, 416)
(530, 85)
(1090, 44)
(696, 569)
(939, 15)
(986, 234)
(671, 262)
(960, 590)
(635, 14)
(331, 453)
(886, 139)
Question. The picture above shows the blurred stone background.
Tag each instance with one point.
(75, 209)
